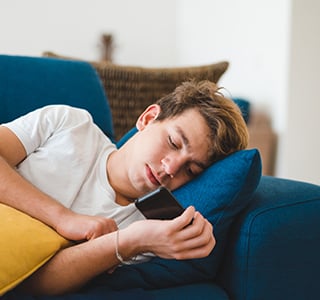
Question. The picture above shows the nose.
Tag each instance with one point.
(173, 164)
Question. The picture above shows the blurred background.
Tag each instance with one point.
(272, 46)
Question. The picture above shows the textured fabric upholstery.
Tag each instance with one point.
(57, 82)
(278, 241)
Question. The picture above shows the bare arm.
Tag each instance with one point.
(17, 192)
(73, 267)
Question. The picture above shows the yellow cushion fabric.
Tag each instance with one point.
(25, 245)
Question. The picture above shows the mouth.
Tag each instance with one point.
(152, 178)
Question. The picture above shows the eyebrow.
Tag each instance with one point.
(186, 143)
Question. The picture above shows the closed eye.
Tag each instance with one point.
(192, 170)
(172, 143)
(190, 173)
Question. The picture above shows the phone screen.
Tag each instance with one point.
(159, 204)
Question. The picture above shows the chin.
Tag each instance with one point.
(140, 190)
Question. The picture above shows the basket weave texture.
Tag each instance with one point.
(131, 89)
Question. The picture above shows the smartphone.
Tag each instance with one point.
(159, 204)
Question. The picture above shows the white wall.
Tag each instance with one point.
(254, 36)
(301, 157)
(144, 30)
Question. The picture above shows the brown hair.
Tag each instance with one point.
(228, 129)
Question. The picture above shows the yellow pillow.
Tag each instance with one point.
(25, 245)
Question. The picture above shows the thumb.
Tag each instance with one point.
(186, 218)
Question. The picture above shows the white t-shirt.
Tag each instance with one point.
(66, 159)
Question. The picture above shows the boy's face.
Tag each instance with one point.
(168, 152)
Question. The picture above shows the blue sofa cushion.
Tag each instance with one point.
(58, 81)
(103, 292)
(219, 193)
(278, 241)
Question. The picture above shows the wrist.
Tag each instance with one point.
(122, 259)
(60, 216)
(127, 245)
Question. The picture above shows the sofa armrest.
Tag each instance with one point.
(274, 246)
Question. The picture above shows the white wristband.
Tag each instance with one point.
(118, 255)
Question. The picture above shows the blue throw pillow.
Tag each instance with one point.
(244, 106)
(219, 193)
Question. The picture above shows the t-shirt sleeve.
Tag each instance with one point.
(35, 128)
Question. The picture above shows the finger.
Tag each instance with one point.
(185, 219)
(105, 225)
(198, 252)
(198, 241)
(111, 225)
(102, 226)
(194, 229)
(197, 246)
(199, 234)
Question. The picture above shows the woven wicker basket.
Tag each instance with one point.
(131, 89)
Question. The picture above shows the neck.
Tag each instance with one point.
(116, 178)
(121, 200)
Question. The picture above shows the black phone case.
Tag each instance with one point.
(159, 204)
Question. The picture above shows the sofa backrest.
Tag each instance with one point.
(27, 83)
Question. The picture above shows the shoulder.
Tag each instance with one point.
(63, 114)
(63, 110)
(51, 119)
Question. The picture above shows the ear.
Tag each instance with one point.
(148, 116)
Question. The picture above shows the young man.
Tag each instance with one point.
(58, 167)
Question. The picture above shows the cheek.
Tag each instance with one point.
(156, 151)
(178, 182)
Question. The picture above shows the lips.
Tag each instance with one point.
(151, 177)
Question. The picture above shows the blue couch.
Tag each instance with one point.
(271, 249)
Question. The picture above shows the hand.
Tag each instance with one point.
(78, 227)
(177, 238)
